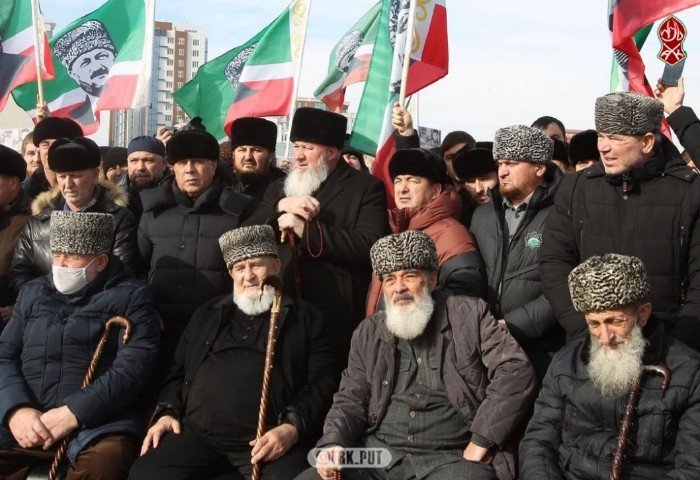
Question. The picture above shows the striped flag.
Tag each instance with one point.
(103, 62)
(349, 60)
(256, 79)
(629, 22)
(17, 54)
(372, 132)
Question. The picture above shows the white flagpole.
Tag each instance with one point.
(40, 103)
(297, 74)
(407, 51)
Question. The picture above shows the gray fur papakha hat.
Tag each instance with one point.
(403, 251)
(522, 143)
(84, 38)
(81, 233)
(248, 242)
(608, 281)
(628, 113)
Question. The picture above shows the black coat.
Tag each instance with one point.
(686, 125)
(257, 191)
(334, 253)
(655, 221)
(179, 241)
(32, 257)
(514, 289)
(303, 378)
(13, 218)
(573, 432)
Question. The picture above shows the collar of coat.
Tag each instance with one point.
(439, 316)
(161, 197)
(656, 351)
(226, 308)
(446, 205)
(109, 197)
(542, 197)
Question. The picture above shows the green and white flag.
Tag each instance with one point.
(349, 61)
(256, 79)
(102, 62)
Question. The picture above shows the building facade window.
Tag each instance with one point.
(170, 51)
(180, 74)
(195, 64)
(168, 84)
(169, 73)
(170, 62)
(181, 51)
(180, 63)
(180, 41)
(171, 40)
(168, 118)
(195, 42)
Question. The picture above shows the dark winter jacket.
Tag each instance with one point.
(573, 432)
(179, 241)
(513, 270)
(334, 249)
(13, 218)
(257, 191)
(485, 374)
(651, 213)
(32, 257)
(46, 348)
(303, 380)
(461, 271)
(686, 125)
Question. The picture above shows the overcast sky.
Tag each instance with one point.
(510, 61)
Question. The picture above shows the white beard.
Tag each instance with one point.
(614, 371)
(253, 303)
(300, 182)
(409, 321)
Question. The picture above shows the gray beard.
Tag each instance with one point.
(614, 371)
(306, 183)
(253, 303)
(409, 321)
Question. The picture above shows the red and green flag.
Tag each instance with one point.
(349, 61)
(372, 132)
(102, 62)
(256, 79)
(17, 52)
(630, 22)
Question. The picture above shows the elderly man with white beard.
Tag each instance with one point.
(433, 380)
(336, 212)
(574, 431)
(205, 422)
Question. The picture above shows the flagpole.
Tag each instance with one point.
(40, 103)
(297, 77)
(408, 49)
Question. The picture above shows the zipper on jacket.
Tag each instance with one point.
(680, 273)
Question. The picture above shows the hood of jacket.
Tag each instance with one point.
(109, 192)
(447, 204)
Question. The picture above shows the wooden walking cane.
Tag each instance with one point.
(274, 282)
(628, 415)
(289, 238)
(122, 322)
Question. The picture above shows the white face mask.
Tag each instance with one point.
(69, 280)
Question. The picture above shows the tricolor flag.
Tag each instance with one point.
(102, 61)
(256, 79)
(627, 20)
(372, 132)
(17, 60)
(349, 60)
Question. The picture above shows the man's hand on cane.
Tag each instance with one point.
(289, 221)
(60, 422)
(328, 462)
(165, 424)
(305, 206)
(274, 443)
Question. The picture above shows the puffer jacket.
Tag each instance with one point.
(485, 375)
(32, 256)
(46, 348)
(179, 241)
(461, 271)
(573, 432)
(650, 212)
(13, 218)
(514, 289)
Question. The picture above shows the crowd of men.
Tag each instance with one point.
(527, 307)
